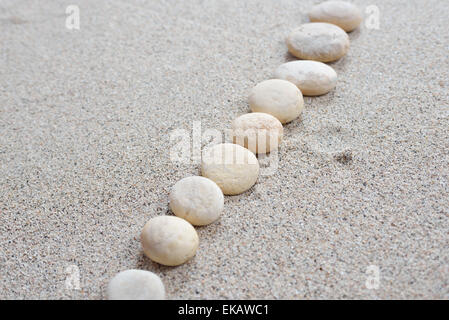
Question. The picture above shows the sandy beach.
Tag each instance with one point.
(86, 117)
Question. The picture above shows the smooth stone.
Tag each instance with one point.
(341, 13)
(313, 78)
(169, 240)
(258, 132)
(318, 41)
(136, 285)
(280, 98)
(232, 167)
(197, 199)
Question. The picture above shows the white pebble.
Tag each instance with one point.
(232, 167)
(169, 240)
(280, 98)
(313, 78)
(341, 13)
(197, 199)
(318, 41)
(136, 285)
(258, 132)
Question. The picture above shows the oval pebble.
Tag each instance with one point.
(280, 98)
(341, 13)
(318, 41)
(313, 78)
(258, 132)
(196, 199)
(232, 167)
(169, 240)
(136, 285)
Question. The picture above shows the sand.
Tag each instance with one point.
(85, 123)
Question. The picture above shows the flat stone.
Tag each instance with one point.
(258, 132)
(232, 167)
(196, 199)
(136, 285)
(341, 13)
(169, 240)
(318, 41)
(313, 78)
(280, 98)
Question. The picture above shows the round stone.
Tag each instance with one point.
(258, 132)
(169, 240)
(341, 13)
(136, 285)
(232, 167)
(318, 41)
(313, 78)
(280, 98)
(197, 199)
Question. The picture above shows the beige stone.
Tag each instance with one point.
(232, 167)
(280, 98)
(169, 240)
(313, 78)
(258, 132)
(341, 13)
(197, 199)
(136, 285)
(318, 41)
